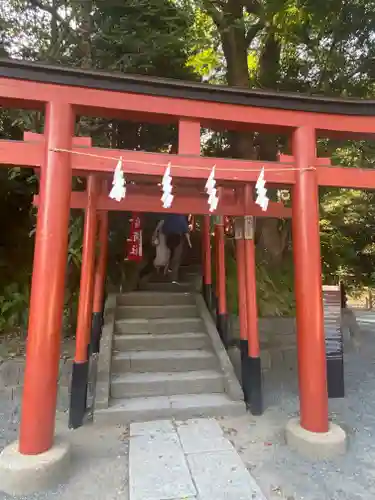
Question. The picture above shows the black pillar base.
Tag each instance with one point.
(78, 394)
(207, 294)
(222, 324)
(335, 378)
(253, 382)
(244, 377)
(96, 332)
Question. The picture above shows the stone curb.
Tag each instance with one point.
(231, 385)
(105, 355)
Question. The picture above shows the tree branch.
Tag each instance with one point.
(48, 8)
(252, 6)
(214, 12)
(252, 32)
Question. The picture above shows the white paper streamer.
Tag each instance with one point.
(213, 199)
(167, 197)
(262, 198)
(118, 191)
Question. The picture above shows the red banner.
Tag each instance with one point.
(134, 242)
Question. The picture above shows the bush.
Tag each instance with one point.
(14, 307)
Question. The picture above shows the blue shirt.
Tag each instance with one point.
(175, 224)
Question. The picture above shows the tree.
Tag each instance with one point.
(311, 46)
(134, 36)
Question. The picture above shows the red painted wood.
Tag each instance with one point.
(47, 290)
(141, 163)
(77, 141)
(241, 282)
(189, 137)
(221, 276)
(206, 243)
(101, 264)
(308, 288)
(96, 102)
(251, 300)
(318, 161)
(21, 154)
(31, 154)
(251, 289)
(86, 287)
(359, 178)
(187, 166)
(151, 203)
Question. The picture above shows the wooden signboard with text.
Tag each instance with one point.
(334, 341)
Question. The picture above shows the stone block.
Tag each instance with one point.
(152, 428)
(202, 436)
(158, 469)
(222, 476)
(316, 445)
(27, 474)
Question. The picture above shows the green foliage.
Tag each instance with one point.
(314, 46)
(14, 306)
(75, 241)
(347, 220)
(141, 36)
(275, 288)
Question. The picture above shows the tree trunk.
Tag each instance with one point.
(272, 237)
(86, 25)
(233, 38)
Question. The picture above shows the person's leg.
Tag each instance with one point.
(172, 241)
(177, 257)
(149, 267)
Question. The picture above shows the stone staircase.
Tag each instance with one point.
(166, 359)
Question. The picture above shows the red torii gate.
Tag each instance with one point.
(66, 93)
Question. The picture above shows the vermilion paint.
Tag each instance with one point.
(101, 264)
(206, 245)
(167, 109)
(47, 289)
(251, 290)
(86, 289)
(308, 287)
(221, 277)
(241, 282)
(149, 201)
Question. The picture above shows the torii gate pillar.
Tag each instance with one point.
(312, 434)
(37, 460)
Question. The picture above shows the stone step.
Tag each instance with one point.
(150, 312)
(155, 299)
(166, 287)
(159, 326)
(130, 385)
(149, 342)
(163, 361)
(181, 407)
(191, 268)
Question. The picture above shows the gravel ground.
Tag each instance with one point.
(100, 465)
(99, 468)
(283, 474)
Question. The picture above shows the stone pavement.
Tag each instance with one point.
(185, 461)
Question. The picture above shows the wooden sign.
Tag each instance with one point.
(134, 242)
(249, 227)
(334, 341)
(239, 228)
